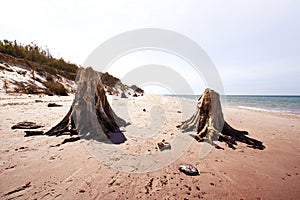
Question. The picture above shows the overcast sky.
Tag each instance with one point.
(255, 44)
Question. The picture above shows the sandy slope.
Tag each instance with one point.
(72, 171)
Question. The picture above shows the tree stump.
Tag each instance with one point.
(208, 121)
(90, 114)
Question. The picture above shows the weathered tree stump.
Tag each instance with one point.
(123, 95)
(208, 121)
(90, 115)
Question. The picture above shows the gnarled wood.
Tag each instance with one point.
(209, 121)
(90, 114)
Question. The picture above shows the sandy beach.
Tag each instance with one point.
(40, 167)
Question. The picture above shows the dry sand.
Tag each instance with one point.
(38, 168)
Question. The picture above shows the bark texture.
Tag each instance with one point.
(208, 121)
(90, 114)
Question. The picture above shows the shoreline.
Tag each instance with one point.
(22, 99)
(242, 104)
(271, 112)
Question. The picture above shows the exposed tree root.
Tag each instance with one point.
(90, 114)
(208, 121)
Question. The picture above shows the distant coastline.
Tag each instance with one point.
(272, 103)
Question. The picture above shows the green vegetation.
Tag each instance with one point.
(38, 59)
(137, 89)
(109, 80)
(55, 88)
(26, 88)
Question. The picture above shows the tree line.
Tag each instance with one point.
(39, 58)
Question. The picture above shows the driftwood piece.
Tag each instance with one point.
(26, 125)
(54, 105)
(209, 121)
(90, 114)
(33, 133)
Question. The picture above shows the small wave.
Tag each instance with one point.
(259, 109)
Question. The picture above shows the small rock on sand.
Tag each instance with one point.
(188, 169)
(163, 145)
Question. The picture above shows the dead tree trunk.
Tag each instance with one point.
(90, 115)
(209, 121)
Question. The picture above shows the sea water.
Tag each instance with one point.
(288, 104)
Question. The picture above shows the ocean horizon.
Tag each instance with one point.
(272, 103)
